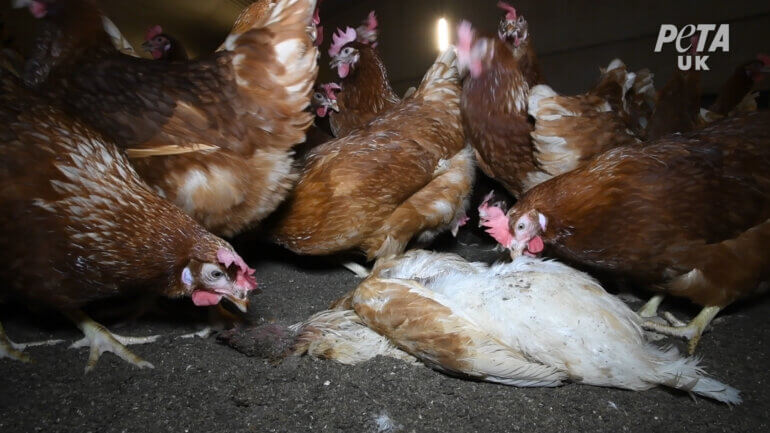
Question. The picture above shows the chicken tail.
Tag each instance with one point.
(685, 374)
(442, 79)
(275, 67)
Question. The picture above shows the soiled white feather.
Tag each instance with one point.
(558, 317)
(531, 322)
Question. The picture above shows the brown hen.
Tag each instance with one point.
(242, 107)
(688, 215)
(366, 90)
(79, 224)
(406, 173)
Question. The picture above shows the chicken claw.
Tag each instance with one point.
(100, 340)
(360, 271)
(9, 349)
(692, 331)
(650, 309)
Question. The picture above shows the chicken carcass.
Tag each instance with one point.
(79, 225)
(529, 323)
(405, 174)
(688, 214)
(214, 134)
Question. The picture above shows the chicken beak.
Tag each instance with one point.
(241, 303)
(334, 106)
(517, 249)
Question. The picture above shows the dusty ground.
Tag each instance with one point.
(199, 385)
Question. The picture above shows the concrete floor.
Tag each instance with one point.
(199, 385)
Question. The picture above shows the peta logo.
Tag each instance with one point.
(696, 38)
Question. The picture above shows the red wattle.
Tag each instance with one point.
(343, 69)
(202, 298)
(535, 245)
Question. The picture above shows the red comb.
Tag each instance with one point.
(511, 11)
(245, 275)
(764, 58)
(329, 89)
(340, 39)
(152, 32)
(464, 37)
(496, 222)
(371, 21)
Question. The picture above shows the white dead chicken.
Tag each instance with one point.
(527, 323)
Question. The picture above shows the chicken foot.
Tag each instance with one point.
(692, 331)
(650, 309)
(100, 340)
(359, 270)
(9, 349)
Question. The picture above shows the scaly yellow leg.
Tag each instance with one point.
(100, 340)
(692, 331)
(650, 309)
(8, 349)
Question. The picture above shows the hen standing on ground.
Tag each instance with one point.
(688, 215)
(406, 173)
(242, 108)
(78, 225)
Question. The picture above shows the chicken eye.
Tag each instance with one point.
(347, 51)
(217, 274)
(317, 96)
(520, 226)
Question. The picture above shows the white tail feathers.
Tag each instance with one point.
(685, 374)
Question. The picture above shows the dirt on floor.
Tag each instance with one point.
(200, 385)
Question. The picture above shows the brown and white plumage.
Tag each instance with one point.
(406, 174)
(79, 224)
(494, 108)
(569, 130)
(366, 89)
(526, 323)
(688, 214)
(244, 105)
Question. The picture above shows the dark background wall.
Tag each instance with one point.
(573, 38)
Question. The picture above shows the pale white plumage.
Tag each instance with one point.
(527, 323)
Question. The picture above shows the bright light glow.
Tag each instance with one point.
(442, 32)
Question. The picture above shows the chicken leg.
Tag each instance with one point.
(692, 331)
(100, 340)
(650, 309)
(9, 349)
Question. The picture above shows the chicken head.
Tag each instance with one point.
(207, 282)
(324, 99)
(344, 58)
(513, 27)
